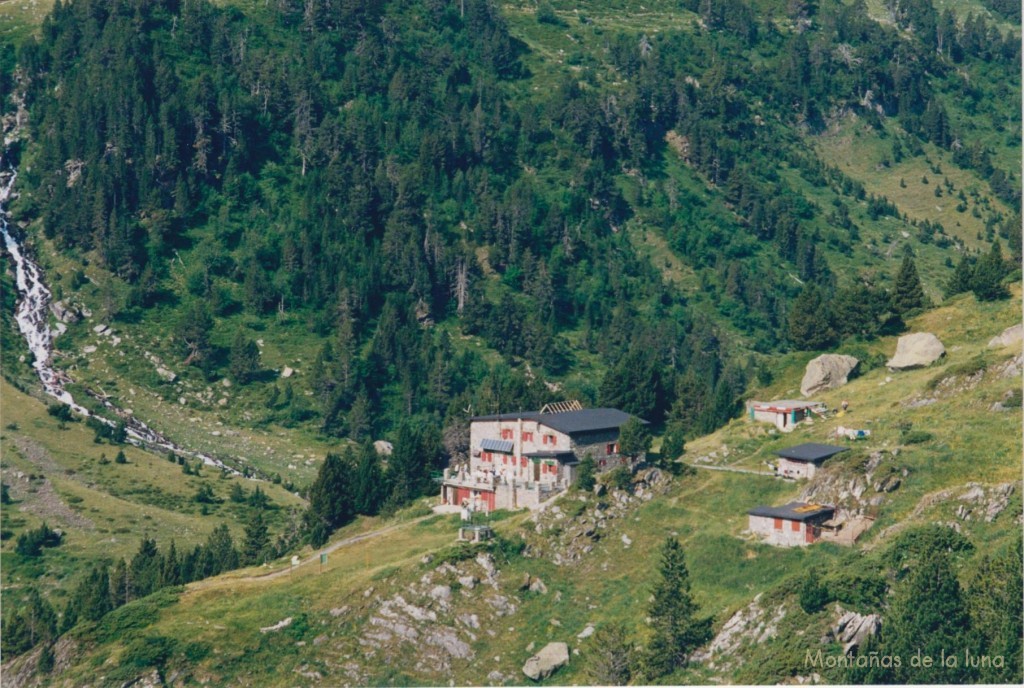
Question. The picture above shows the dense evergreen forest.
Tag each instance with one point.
(374, 168)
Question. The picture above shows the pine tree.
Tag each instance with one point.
(810, 321)
(987, 280)
(330, 498)
(119, 588)
(193, 333)
(370, 489)
(585, 475)
(634, 437)
(908, 294)
(144, 570)
(243, 358)
(962, 278)
(170, 567)
(927, 614)
(610, 659)
(996, 613)
(46, 660)
(673, 613)
(237, 493)
(257, 539)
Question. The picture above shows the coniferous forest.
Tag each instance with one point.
(446, 221)
(370, 169)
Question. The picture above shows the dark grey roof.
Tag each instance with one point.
(794, 511)
(570, 422)
(810, 452)
(503, 446)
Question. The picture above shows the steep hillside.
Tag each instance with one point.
(475, 613)
(292, 229)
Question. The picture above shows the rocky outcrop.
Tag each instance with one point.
(827, 371)
(984, 502)
(1008, 337)
(752, 624)
(65, 312)
(853, 629)
(916, 351)
(550, 659)
(578, 527)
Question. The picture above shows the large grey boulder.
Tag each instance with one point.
(827, 371)
(1008, 337)
(65, 312)
(550, 659)
(916, 351)
(853, 630)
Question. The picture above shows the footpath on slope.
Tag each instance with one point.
(271, 575)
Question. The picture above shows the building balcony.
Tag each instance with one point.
(486, 481)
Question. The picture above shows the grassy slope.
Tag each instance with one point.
(103, 507)
(706, 511)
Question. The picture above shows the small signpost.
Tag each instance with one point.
(323, 560)
(295, 562)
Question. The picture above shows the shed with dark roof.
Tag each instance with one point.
(803, 460)
(810, 451)
(791, 525)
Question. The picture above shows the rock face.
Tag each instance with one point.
(916, 351)
(546, 662)
(827, 371)
(383, 447)
(853, 629)
(1009, 336)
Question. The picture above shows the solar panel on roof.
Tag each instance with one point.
(503, 446)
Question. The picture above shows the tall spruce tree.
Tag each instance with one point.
(907, 294)
(927, 615)
(330, 498)
(961, 279)
(91, 599)
(257, 540)
(994, 600)
(370, 489)
(810, 321)
(243, 358)
(987, 279)
(678, 630)
(634, 437)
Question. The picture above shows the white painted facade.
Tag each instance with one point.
(795, 469)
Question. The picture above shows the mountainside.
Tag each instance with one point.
(304, 242)
(476, 613)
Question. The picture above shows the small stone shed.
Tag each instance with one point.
(785, 414)
(796, 524)
(803, 460)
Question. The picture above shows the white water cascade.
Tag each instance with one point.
(31, 315)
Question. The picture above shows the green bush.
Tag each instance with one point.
(863, 592)
(585, 476)
(813, 594)
(546, 15)
(620, 478)
(917, 437)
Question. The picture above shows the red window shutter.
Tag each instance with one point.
(778, 524)
(796, 526)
